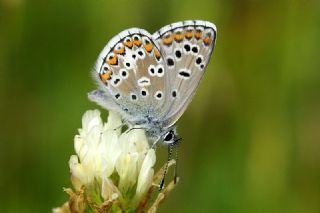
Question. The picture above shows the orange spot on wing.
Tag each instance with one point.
(167, 40)
(113, 60)
(207, 40)
(128, 44)
(157, 54)
(189, 34)
(137, 42)
(148, 47)
(198, 34)
(120, 51)
(178, 36)
(106, 76)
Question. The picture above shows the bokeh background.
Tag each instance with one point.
(251, 135)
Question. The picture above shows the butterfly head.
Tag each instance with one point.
(171, 137)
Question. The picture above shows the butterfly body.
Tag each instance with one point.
(151, 79)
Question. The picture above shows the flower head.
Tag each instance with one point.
(102, 150)
(111, 169)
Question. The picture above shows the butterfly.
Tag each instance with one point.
(151, 79)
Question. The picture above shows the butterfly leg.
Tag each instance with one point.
(133, 128)
(170, 149)
(176, 165)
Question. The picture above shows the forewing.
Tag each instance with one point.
(187, 48)
(131, 72)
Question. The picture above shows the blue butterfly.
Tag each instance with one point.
(151, 79)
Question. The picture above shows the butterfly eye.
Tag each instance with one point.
(169, 137)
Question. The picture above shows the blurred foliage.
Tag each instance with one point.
(254, 142)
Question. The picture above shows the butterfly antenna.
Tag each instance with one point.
(176, 144)
(176, 165)
(170, 148)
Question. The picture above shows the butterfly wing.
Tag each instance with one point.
(131, 75)
(186, 48)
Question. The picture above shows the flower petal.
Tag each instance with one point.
(127, 169)
(79, 175)
(90, 119)
(109, 190)
(146, 173)
(110, 151)
(114, 121)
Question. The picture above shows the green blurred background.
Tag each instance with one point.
(251, 135)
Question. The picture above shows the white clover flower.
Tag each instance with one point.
(101, 148)
(146, 173)
(134, 146)
(109, 164)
